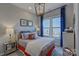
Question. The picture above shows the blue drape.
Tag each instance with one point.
(63, 23)
(41, 25)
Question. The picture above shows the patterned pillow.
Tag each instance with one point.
(35, 34)
(31, 36)
(25, 36)
(20, 36)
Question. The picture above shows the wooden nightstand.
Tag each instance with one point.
(9, 47)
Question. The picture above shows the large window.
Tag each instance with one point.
(46, 27)
(56, 26)
(52, 28)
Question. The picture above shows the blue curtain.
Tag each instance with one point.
(41, 26)
(63, 23)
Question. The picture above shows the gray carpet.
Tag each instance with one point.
(16, 53)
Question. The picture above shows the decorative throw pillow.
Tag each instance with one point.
(25, 35)
(31, 36)
(35, 34)
(20, 36)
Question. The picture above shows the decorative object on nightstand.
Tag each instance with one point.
(9, 47)
(10, 32)
(37, 30)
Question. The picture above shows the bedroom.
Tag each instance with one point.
(21, 19)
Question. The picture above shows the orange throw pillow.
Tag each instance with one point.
(31, 36)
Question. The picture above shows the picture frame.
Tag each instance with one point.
(23, 22)
(30, 23)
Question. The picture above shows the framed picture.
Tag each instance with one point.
(23, 22)
(30, 23)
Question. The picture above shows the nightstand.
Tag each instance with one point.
(9, 47)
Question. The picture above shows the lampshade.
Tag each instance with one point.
(9, 30)
(40, 8)
(37, 29)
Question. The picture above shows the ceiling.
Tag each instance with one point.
(29, 7)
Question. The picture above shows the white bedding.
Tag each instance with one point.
(23, 42)
(34, 47)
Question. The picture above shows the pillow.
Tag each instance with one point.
(35, 33)
(20, 36)
(31, 36)
(58, 51)
(25, 35)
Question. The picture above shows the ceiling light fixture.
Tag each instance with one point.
(40, 8)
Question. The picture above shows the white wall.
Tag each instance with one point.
(76, 11)
(69, 15)
(52, 14)
(10, 15)
(2, 30)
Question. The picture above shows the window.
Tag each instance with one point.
(54, 24)
(46, 25)
(56, 27)
(52, 28)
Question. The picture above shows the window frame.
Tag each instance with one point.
(46, 27)
(55, 27)
(51, 27)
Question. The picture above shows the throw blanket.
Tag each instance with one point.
(35, 47)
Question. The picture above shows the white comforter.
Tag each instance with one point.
(34, 48)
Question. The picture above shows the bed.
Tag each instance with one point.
(40, 46)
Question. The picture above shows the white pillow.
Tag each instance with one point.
(35, 34)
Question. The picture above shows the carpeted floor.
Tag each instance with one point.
(16, 53)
